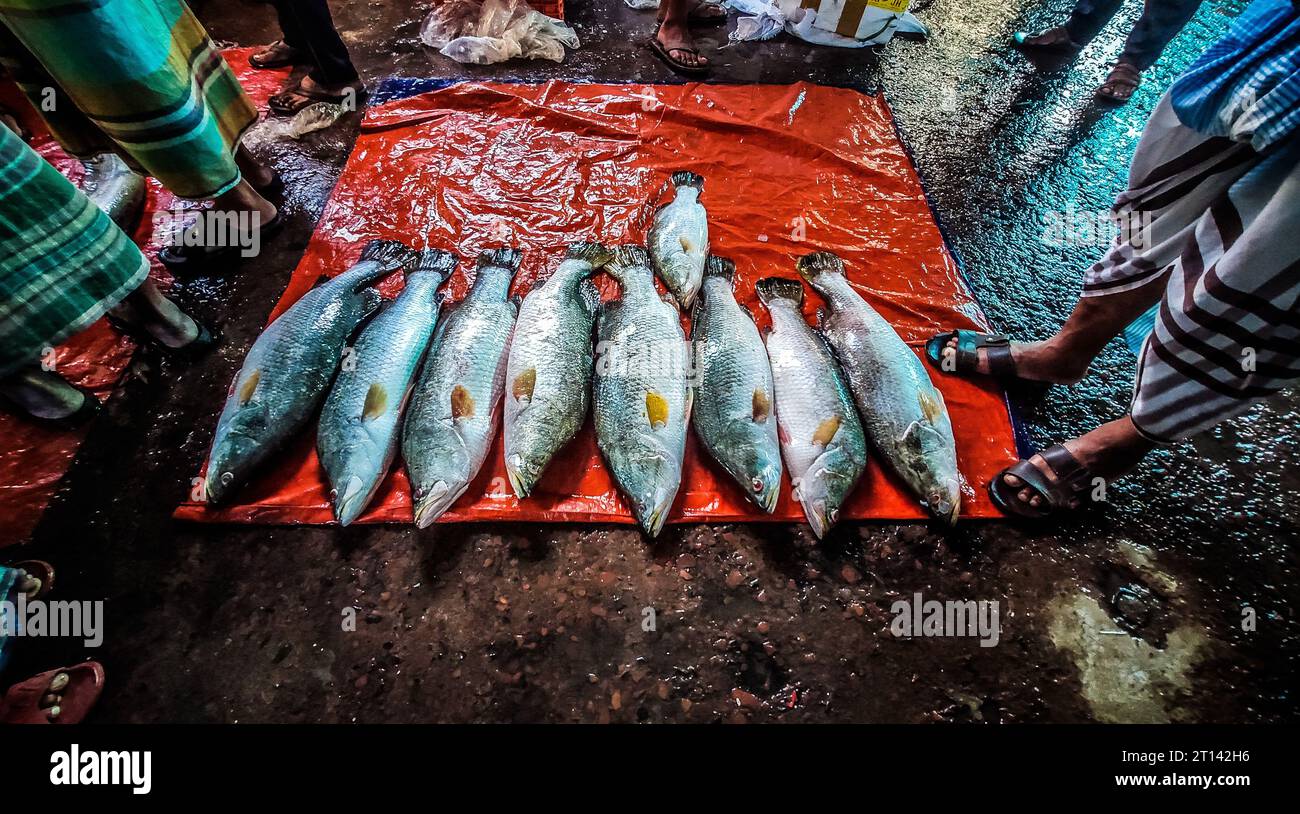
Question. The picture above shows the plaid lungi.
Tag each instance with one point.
(63, 262)
(140, 76)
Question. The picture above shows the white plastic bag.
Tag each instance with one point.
(768, 17)
(482, 32)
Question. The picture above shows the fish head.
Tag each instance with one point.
(234, 456)
(756, 466)
(928, 463)
(649, 475)
(351, 499)
(433, 498)
(822, 491)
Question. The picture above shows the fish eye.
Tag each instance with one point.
(757, 484)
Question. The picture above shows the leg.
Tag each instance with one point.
(1160, 22)
(149, 309)
(1226, 334)
(675, 34)
(1176, 175)
(289, 49)
(332, 68)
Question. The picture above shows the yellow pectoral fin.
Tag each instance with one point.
(686, 243)
(522, 387)
(930, 407)
(376, 402)
(762, 406)
(247, 389)
(462, 403)
(656, 409)
(826, 431)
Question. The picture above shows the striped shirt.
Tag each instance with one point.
(1246, 86)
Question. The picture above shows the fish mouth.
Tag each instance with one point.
(352, 501)
(653, 521)
(519, 480)
(767, 500)
(438, 500)
(946, 505)
(819, 517)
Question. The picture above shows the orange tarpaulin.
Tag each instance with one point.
(33, 459)
(788, 169)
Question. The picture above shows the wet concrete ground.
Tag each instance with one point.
(1132, 613)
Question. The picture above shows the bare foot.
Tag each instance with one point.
(677, 41)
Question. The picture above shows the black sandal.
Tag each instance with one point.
(288, 56)
(1073, 482)
(964, 361)
(90, 407)
(196, 347)
(1120, 85)
(195, 260)
(665, 54)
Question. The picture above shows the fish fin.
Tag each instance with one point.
(931, 408)
(249, 387)
(762, 406)
(516, 302)
(505, 258)
(826, 431)
(719, 267)
(462, 403)
(522, 387)
(376, 402)
(686, 178)
(656, 409)
(594, 253)
(685, 243)
(810, 265)
(627, 260)
(770, 289)
(389, 254)
(441, 262)
(371, 302)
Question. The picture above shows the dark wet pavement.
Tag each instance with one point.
(1134, 612)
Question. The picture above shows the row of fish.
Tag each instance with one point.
(433, 386)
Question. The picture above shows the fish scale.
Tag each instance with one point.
(287, 371)
(821, 437)
(453, 411)
(641, 401)
(548, 374)
(679, 238)
(734, 390)
(360, 422)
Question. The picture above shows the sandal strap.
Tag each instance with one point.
(997, 349)
(1072, 477)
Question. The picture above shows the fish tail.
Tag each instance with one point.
(594, 253)
(389, 254)
(811, 265)
(719, 267)
(507, 259)
(771, 289)
(440, 262)
(626, 259)
(686, 178)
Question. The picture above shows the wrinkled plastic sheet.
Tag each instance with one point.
(788, 169)
(33, 459)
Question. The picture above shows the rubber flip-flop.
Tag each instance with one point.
(195, 260)
(677, 66)
(301, 98)
(22, 702)
(288, 56)
(693, 17)
(39, 570)
(964, 360)
(1120, 85)
(1073, 482)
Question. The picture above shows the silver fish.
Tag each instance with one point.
(289, 368)
(550, 366)
(733, 389)
(453, 412)
(641, 400)
(361, 421)
(821, 436)
(115, 188)
(679, 238)
(904, 415)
